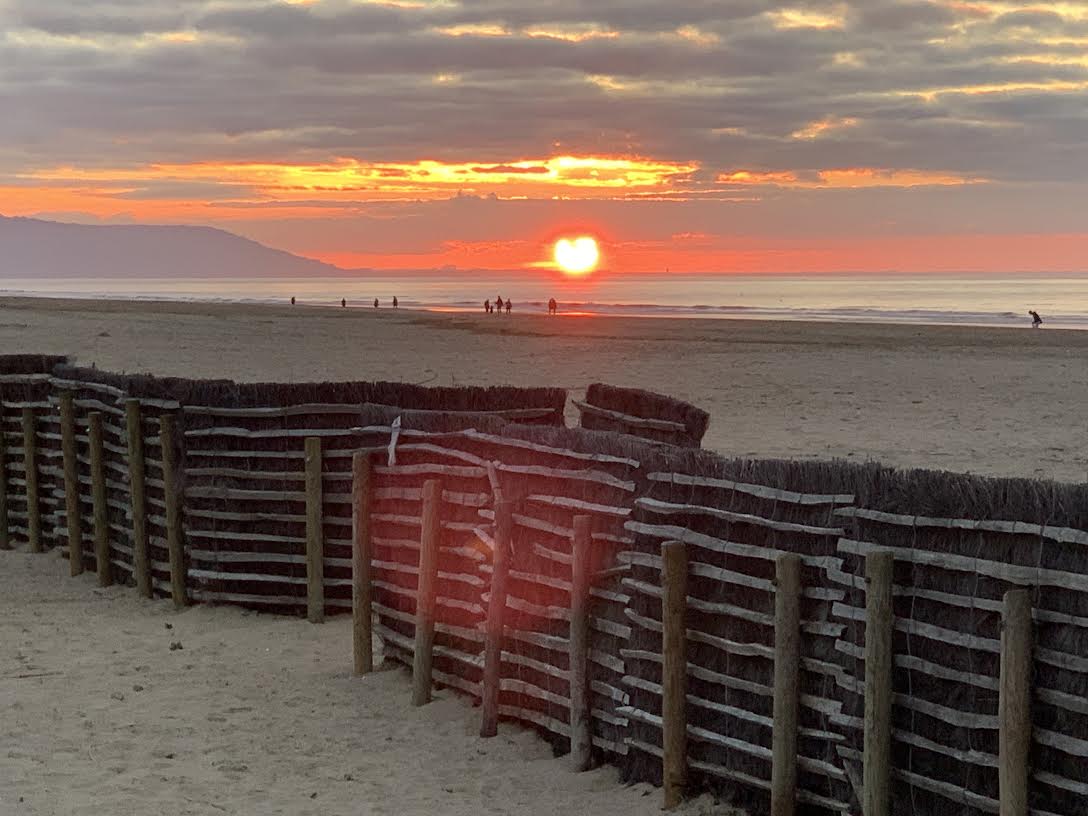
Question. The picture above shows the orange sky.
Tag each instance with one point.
(916, 136)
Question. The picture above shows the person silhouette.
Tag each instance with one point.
(343, 302)
(487, 306)
(553, 307)
(292, 300)
(395, 304)
(1036, 321)
(375, 303)
(498, 304)
(509, 305)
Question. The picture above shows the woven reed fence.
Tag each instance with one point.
(548, 556)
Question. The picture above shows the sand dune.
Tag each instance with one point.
(992, 401)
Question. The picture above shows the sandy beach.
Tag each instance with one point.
(255, 714)
(1002, 402)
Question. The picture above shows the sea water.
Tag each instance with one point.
(975, 299)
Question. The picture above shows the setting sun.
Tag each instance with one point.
(577, 256)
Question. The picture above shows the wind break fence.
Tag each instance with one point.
(797, 637)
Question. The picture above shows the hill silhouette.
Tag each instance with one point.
(31, 247)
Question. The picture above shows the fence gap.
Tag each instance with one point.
(315, 533)
(1014, 703)
(674, 578)
(141, 563)
(787, 662)
(581, 738)
(98, 494)
(879, 621)
(72, 517)
(362, 624)
(175, 542)
(425, 593)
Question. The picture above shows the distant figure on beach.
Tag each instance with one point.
(487, 306)
(509, 305)
(343, 302)
(292, 300)
(498, 304)
(553, 307)
(375, 303)
(395, 304)
(1036, 321)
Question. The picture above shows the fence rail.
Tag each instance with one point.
(699, 623)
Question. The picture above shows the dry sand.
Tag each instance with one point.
(1004, 402)
(256, 714)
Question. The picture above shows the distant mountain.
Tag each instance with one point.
(30, 247)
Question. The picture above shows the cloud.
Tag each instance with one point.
(161, 102)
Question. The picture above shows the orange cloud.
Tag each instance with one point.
(353, 180)
(847, 178)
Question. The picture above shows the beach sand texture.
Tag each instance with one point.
(991, 401)
(255, 714)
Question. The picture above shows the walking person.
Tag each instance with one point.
(509, 305)
(487, 306)
(1036, 321)
(375, 303)
(553, 307)
(395, 304)
(343, 303)
(498, 304)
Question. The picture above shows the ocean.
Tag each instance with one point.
(983, 300)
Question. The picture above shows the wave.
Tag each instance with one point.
(317, 294)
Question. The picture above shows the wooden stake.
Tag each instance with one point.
(787, 662)
(175, 540)
(72, 516)
(315, 533)
(98, 492)
(361, 624)
(5, 533)
(496, 614)
(674, 679)
(141, 563)
(1014, 703)
(581, 737)
(425, 594)
(876, 769)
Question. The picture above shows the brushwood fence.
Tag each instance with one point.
(798, 637)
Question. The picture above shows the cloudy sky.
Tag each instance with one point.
(698, 135)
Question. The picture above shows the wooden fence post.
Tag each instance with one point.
(787, 661)
(1014, 703)
(362, 630)
(581, 738)
(674, 579)
(30, 460)
(98, 492)
(175, 541)
(315, 533)
(879, 623)
(72, 516)
(141, 563)
(496, 615)
(425, 594)
(5, 533)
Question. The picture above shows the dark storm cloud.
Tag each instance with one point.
(897, 84)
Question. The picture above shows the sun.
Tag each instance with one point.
(577, 256)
